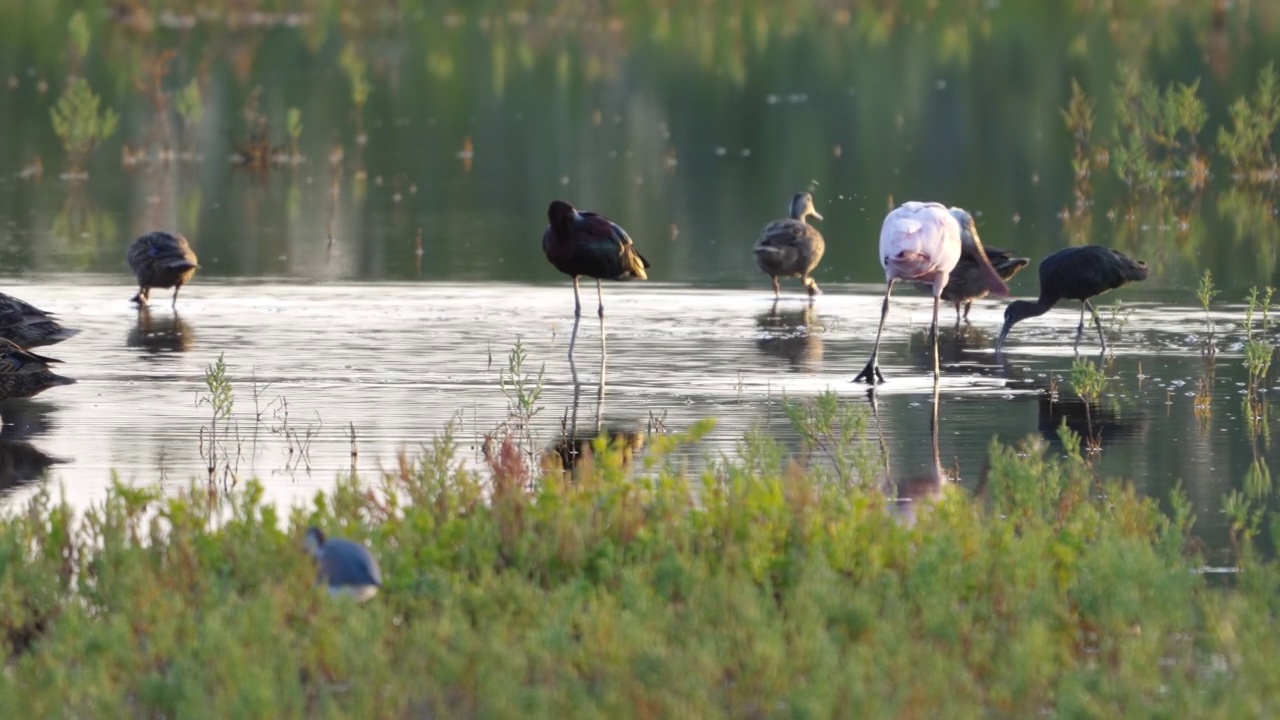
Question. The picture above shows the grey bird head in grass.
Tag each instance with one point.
(348, 568)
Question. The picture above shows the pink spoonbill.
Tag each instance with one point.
(922, 242)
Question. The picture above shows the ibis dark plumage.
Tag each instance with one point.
(348, 568)
(1076, 273)
(791, 247)
(922, 242)
(585, 243)
(161, 260)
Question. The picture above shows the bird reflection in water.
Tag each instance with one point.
(165, 333)
(1103, 425)
(914, 491)
(21, 462)
(575, 448)
(962, 352)
(792, 335)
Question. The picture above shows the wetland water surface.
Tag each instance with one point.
(397, 362)
(372, 254)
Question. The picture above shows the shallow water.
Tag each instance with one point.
(378, 279)
(397, 362)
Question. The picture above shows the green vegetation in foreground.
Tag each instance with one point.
(754, 588)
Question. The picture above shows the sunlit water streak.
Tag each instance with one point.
(399, 361)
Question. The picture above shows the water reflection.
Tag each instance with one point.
(962, 352)
(162, 333)
(22, 463)
(791, 335)
(915, 490)
(574, 447)
(1099, 425)
(25, 419)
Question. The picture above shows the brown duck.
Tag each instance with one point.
(791, 247)
(28, 326)
(584, 243)
(24, 374)
(161, 260)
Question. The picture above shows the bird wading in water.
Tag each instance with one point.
(791, 247)
(922, 242)
(161, 260)
(1075, 273)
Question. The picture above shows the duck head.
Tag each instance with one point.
(802, 207)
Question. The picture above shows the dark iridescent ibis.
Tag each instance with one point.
(348, 568)
(967, 282)
(28, 326)
(923, 242)
(161, 260)
(791, 247)
(584, 243)
(1075, 273)
(24, 374)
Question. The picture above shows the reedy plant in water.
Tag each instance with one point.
(80, 125)
(1249, 144)
(1205, 293)
(1088, 381)
(739, 590)
(838, 430)
(1156, 134)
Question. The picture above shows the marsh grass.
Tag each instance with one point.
(746, 588)
(1205, 293)
(81, 124)
(1088, 381)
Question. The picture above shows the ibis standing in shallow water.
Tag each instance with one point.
(1075, 273)
(792, 247)
(922, 242)
(162, 260)
(349, 568)
(584, 243)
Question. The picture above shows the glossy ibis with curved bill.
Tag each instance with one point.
(161, 259)
(967, 283)
(585, 243)
(791, 247)
(1075, 273)
(923, 242)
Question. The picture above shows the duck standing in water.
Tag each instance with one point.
(922, 242)
(27, 326)
(791, 247)
(162, 260)
(584, 243)
(1075, 273)
(967, 282)
(24, 374)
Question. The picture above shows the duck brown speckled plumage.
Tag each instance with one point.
(161, 260)
(28, 326)
(24, 374)
(791, 247)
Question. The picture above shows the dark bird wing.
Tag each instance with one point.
(16, 361)
(602, 249)
(161, 251)
(1079, 273)
(788, 247)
